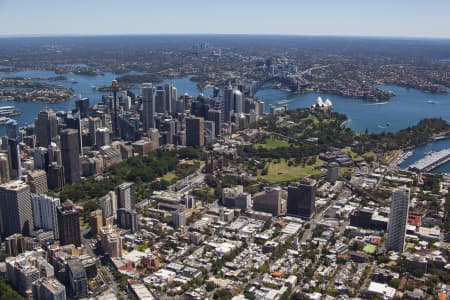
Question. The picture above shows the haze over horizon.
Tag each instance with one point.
(407, 19)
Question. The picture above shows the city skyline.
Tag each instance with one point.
(323, 18)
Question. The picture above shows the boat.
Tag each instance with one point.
(4, 120)
(8, 111)
(283, 101)
(431, 102)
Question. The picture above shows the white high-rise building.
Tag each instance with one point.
(108, 204)
(148, 106)
(44, 212)
(398, 219)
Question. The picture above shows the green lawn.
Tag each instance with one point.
(169, 176)
(282, 172)
(272, 143)
(370, 249)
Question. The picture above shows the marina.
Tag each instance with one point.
(431, 161)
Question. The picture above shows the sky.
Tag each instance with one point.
(392, 18)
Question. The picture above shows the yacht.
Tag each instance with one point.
(7, 111)
(4, 120)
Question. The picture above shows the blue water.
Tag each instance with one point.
(84, 88)
(406, 108)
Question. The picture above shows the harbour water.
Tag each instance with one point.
(83, 87)
(406, 108)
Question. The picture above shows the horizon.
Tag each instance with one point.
(374, 37)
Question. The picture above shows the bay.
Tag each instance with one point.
(405, 109)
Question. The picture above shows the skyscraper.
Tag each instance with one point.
(12, 130)
(40, 156)
(46, 127)
(96, 222)
(126, 195)
(160, 100)
(4, 168)
(37, 180)
(82, 105)
(45, 213)
(148, 106)
(228, 103)
(195, 132)
(15, 206)
(301, 199)
(237, 101)
(15, 166)
(216, 117)
(398, 219)
(108, 204)
(68, 224)
(171, 96)
(55, 179)
(70, 155)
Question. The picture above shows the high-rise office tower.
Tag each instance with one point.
(195, 131)
(398, 219)
(48, 289)
(70, 155)
(96, 221)
(54, 154)
(82, 106)
(302, 199)
(55, 179)
(160, 100)
(108, 204)
(148, 106)
(37, 180)
(68, 224)
(171, 96)
(210, 131)
(271, 200)
(126, 195)
(94, 124)
(115, 121)
(4, 168)
(40, 156)
(127, 219)
(228, 103)
(215, 116)
(15, 166)
(102, 137)
(45, 213)
(237, 101)
(12, 130)
(74, 121)
(46, 127)
(15, 207)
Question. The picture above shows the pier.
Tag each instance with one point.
(431, 161)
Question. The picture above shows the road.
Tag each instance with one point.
(112, 284)
(190, 182)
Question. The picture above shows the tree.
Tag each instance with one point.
(223, 294)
